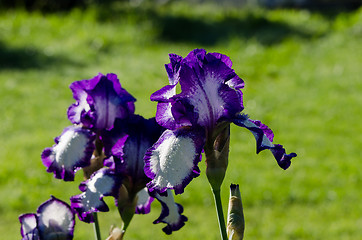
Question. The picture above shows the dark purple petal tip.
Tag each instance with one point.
(264, 140)
(171, 213)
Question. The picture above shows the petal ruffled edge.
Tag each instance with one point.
(72, 150)
(102, 183)
(172, 161)
(264, 140)
(171, 213)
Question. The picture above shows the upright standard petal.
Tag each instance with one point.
(72, 150)
(264, 140)
(164, 95)
(100, 101)
(171, 213)
(210, 92)
(172, 161)
(102, 183)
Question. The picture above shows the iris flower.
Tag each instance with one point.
(99, 101)
(53, 220)
(124, 179)
(198, 119)
(108, 141)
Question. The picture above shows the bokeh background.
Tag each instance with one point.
(301, 62)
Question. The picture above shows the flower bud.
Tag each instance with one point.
(235, 220)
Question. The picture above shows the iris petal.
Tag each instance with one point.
(172, 161)
(264, 140)
(29, 230)
(206, 95)
(102, 183)
(144, 201)
(72, 150)
(100, 101)
(171, 213)
(55, 218)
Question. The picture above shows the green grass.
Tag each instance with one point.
(303, 78)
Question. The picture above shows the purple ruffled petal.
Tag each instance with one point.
(72, 150)
(144, 201)
(264, 140)
(171, 213)
(55, 220)
(210, 91)
(172, 161)
(100, 101)
(102, 183)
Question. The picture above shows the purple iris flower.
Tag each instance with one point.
(53, 220)
(99, 101)
(210, 99)
(125, 145)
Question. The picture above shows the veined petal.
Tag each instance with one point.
(203, 80)
(172, 161)
(173, 68)
(164, 115)
(264, 140)
(102, 183)
(100, 101)
(144, 201)
(171, 213)
(29, 230)
(72, 150)
(55, 220)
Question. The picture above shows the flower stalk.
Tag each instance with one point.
(220, 214)
(97, 232)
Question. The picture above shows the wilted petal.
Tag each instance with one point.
(144, 201)
(172, 161)
(29, 230)
(100, 101)
(102, 183)
(72, 150)
(171, 213)
(264, 140)
(55, 220)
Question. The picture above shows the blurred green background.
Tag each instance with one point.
(302, 69)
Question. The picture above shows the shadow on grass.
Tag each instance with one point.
(206, 32)
(28, 58)
(209, 30)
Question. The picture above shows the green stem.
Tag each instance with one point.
(220, 214)
(97, 232)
